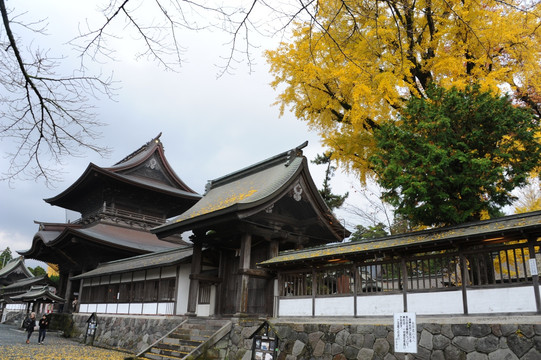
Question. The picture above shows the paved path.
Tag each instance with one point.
(13, 347)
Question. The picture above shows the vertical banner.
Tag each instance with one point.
(405, 333)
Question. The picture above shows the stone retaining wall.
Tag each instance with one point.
(333, 341)
(127, 332)
(364, 342)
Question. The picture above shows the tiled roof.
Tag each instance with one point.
(242, 191)
(515, 225)
(26, 282)
(157, 259)
(12, 266)
(139, 241)
(257, 185)
(121, 171)
(38, 292)
(125, 237)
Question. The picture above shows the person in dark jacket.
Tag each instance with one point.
(43, 325)
(29, 324)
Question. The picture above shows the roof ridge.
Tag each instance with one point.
(288, 156)
(141, 149)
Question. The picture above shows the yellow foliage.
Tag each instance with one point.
(529, 198)
(360, 61)
(52, 269)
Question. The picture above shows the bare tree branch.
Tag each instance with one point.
(48, 116)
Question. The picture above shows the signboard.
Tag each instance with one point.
(533, 267)
(405, 333)
(264, 348)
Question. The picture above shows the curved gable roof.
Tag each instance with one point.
(138, 241)
(238, 194)
(151, 156)
(15, 265)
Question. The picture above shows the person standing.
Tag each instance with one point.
(29, 325)
(43, 325)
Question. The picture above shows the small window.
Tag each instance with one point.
(204, 294)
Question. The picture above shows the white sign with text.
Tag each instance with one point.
(405, 333)
(533, 267)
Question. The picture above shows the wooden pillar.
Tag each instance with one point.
(404, 284)
(67, 294)
(244, 263)
(274, 246)
(219, 303)
(194, 279)
(314, 291)
(535, 278)
(355, 273)
(465, 279)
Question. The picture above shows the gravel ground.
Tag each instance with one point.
(13, 347)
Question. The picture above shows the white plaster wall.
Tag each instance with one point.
(101, 308)
(123, 308)
(433, 303)
(150, 308)
(335, 306)
(370, 305)
(15, 307)
(295, 307)
(83, 308)
(511, 299)
(203, 310)
(165, 308)
(111, 308)
(183, 289)
(136, 308)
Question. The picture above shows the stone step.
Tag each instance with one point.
(206, 332)
(170, 353)
(182, 337)
(160, 357)
(187, 348)
(187, 339)
(180, 348)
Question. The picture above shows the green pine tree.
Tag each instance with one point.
(455, 156)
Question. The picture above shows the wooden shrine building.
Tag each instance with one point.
(245, 218)
(118, 207)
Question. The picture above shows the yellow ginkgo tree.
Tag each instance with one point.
(352, 64)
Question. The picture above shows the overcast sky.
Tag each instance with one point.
(210, 126)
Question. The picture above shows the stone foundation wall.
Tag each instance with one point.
(333, 341)
(126, 332)
(364, 342)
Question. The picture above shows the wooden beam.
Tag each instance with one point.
(206, 278)
(259, 273)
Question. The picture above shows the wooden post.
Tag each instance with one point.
(81, 293)
(465, 279)
(535, 278)
(355, 288)
(274, 246)
(194, 281)
(404, 283)
(67, 294)
(314, 291)
(220, 287)
(244, 263)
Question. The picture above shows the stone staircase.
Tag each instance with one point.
(188, 341)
